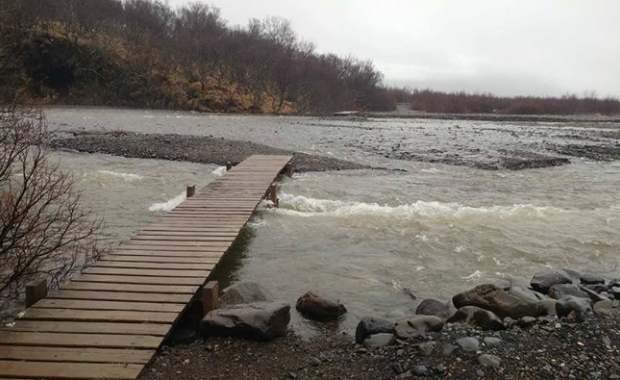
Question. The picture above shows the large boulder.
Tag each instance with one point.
(487, 320)
(579, 307)
(493, 298)
(544, 280)
(261, 321)
(562, 290)
(319, 308)
(371, 326)
(525, 293)
(417, 325)
(245, 292)
(591, 279)
(434, 307)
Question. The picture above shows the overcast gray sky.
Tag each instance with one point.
(540, 47)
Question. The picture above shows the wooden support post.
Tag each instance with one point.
(191, 190)
(273, 194)
(35, 291)
(290, 169)
(210, 295)
(229, 165)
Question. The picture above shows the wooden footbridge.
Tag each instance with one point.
(108, 322)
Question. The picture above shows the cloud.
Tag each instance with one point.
(510, 47)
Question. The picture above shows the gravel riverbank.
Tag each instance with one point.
(560, 325)
(206, 150)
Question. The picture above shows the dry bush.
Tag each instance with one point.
(43, 232)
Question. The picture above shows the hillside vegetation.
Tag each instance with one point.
(143, 53)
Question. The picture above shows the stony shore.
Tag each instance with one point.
(201, 149)
(559, 325)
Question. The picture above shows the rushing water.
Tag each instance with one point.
(366, 236)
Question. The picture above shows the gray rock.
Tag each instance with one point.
(468, 344)
(491, 341)
(590, 279)
(426, 348)
(315, 307)
(420, 370)
(580, 306)
(573, 274)
(379, 340)
(598, 288)
(544, 280)
(417, 325)
(244, 292)
(562, 290)
(603, 307)
(490, 297)
(527, 321)
(434, 307)
(548, 306)
(447, 349)
(487, 320)
(526, 294)
(257, 321)
(594, 296)
(487, 360)
(372, 325)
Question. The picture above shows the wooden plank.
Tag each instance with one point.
(131, 288)
(179, 244)
(98, 315)
(177, 238)
(71, 354)
(139, 328)
(188, 234)
(147, 272)
(120, 296)
(141, 280)
(157, 246)
(206, 261)
(54, 370)
(205, 254)
(79, 340)
(151, 265)
(81, 304)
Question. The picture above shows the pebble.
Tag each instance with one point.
(468, 344)
(440, 368)
(492, 341)
(420, 370)
(315, 361)
(487, 360)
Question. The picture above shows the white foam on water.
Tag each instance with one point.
(125, 176)
(169, 204)
(304, 206)
(431, 170)
(477, 274)
(220, 171)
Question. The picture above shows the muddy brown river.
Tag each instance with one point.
(435, 225)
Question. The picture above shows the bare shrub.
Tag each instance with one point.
(43, 232)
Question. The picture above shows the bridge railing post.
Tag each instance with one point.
(35, 291)
(210, 295)
(190, 191)
(273, 194)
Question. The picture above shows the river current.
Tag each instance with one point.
(372, 238)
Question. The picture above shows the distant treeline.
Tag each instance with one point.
(463, 102)
(143, 53)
